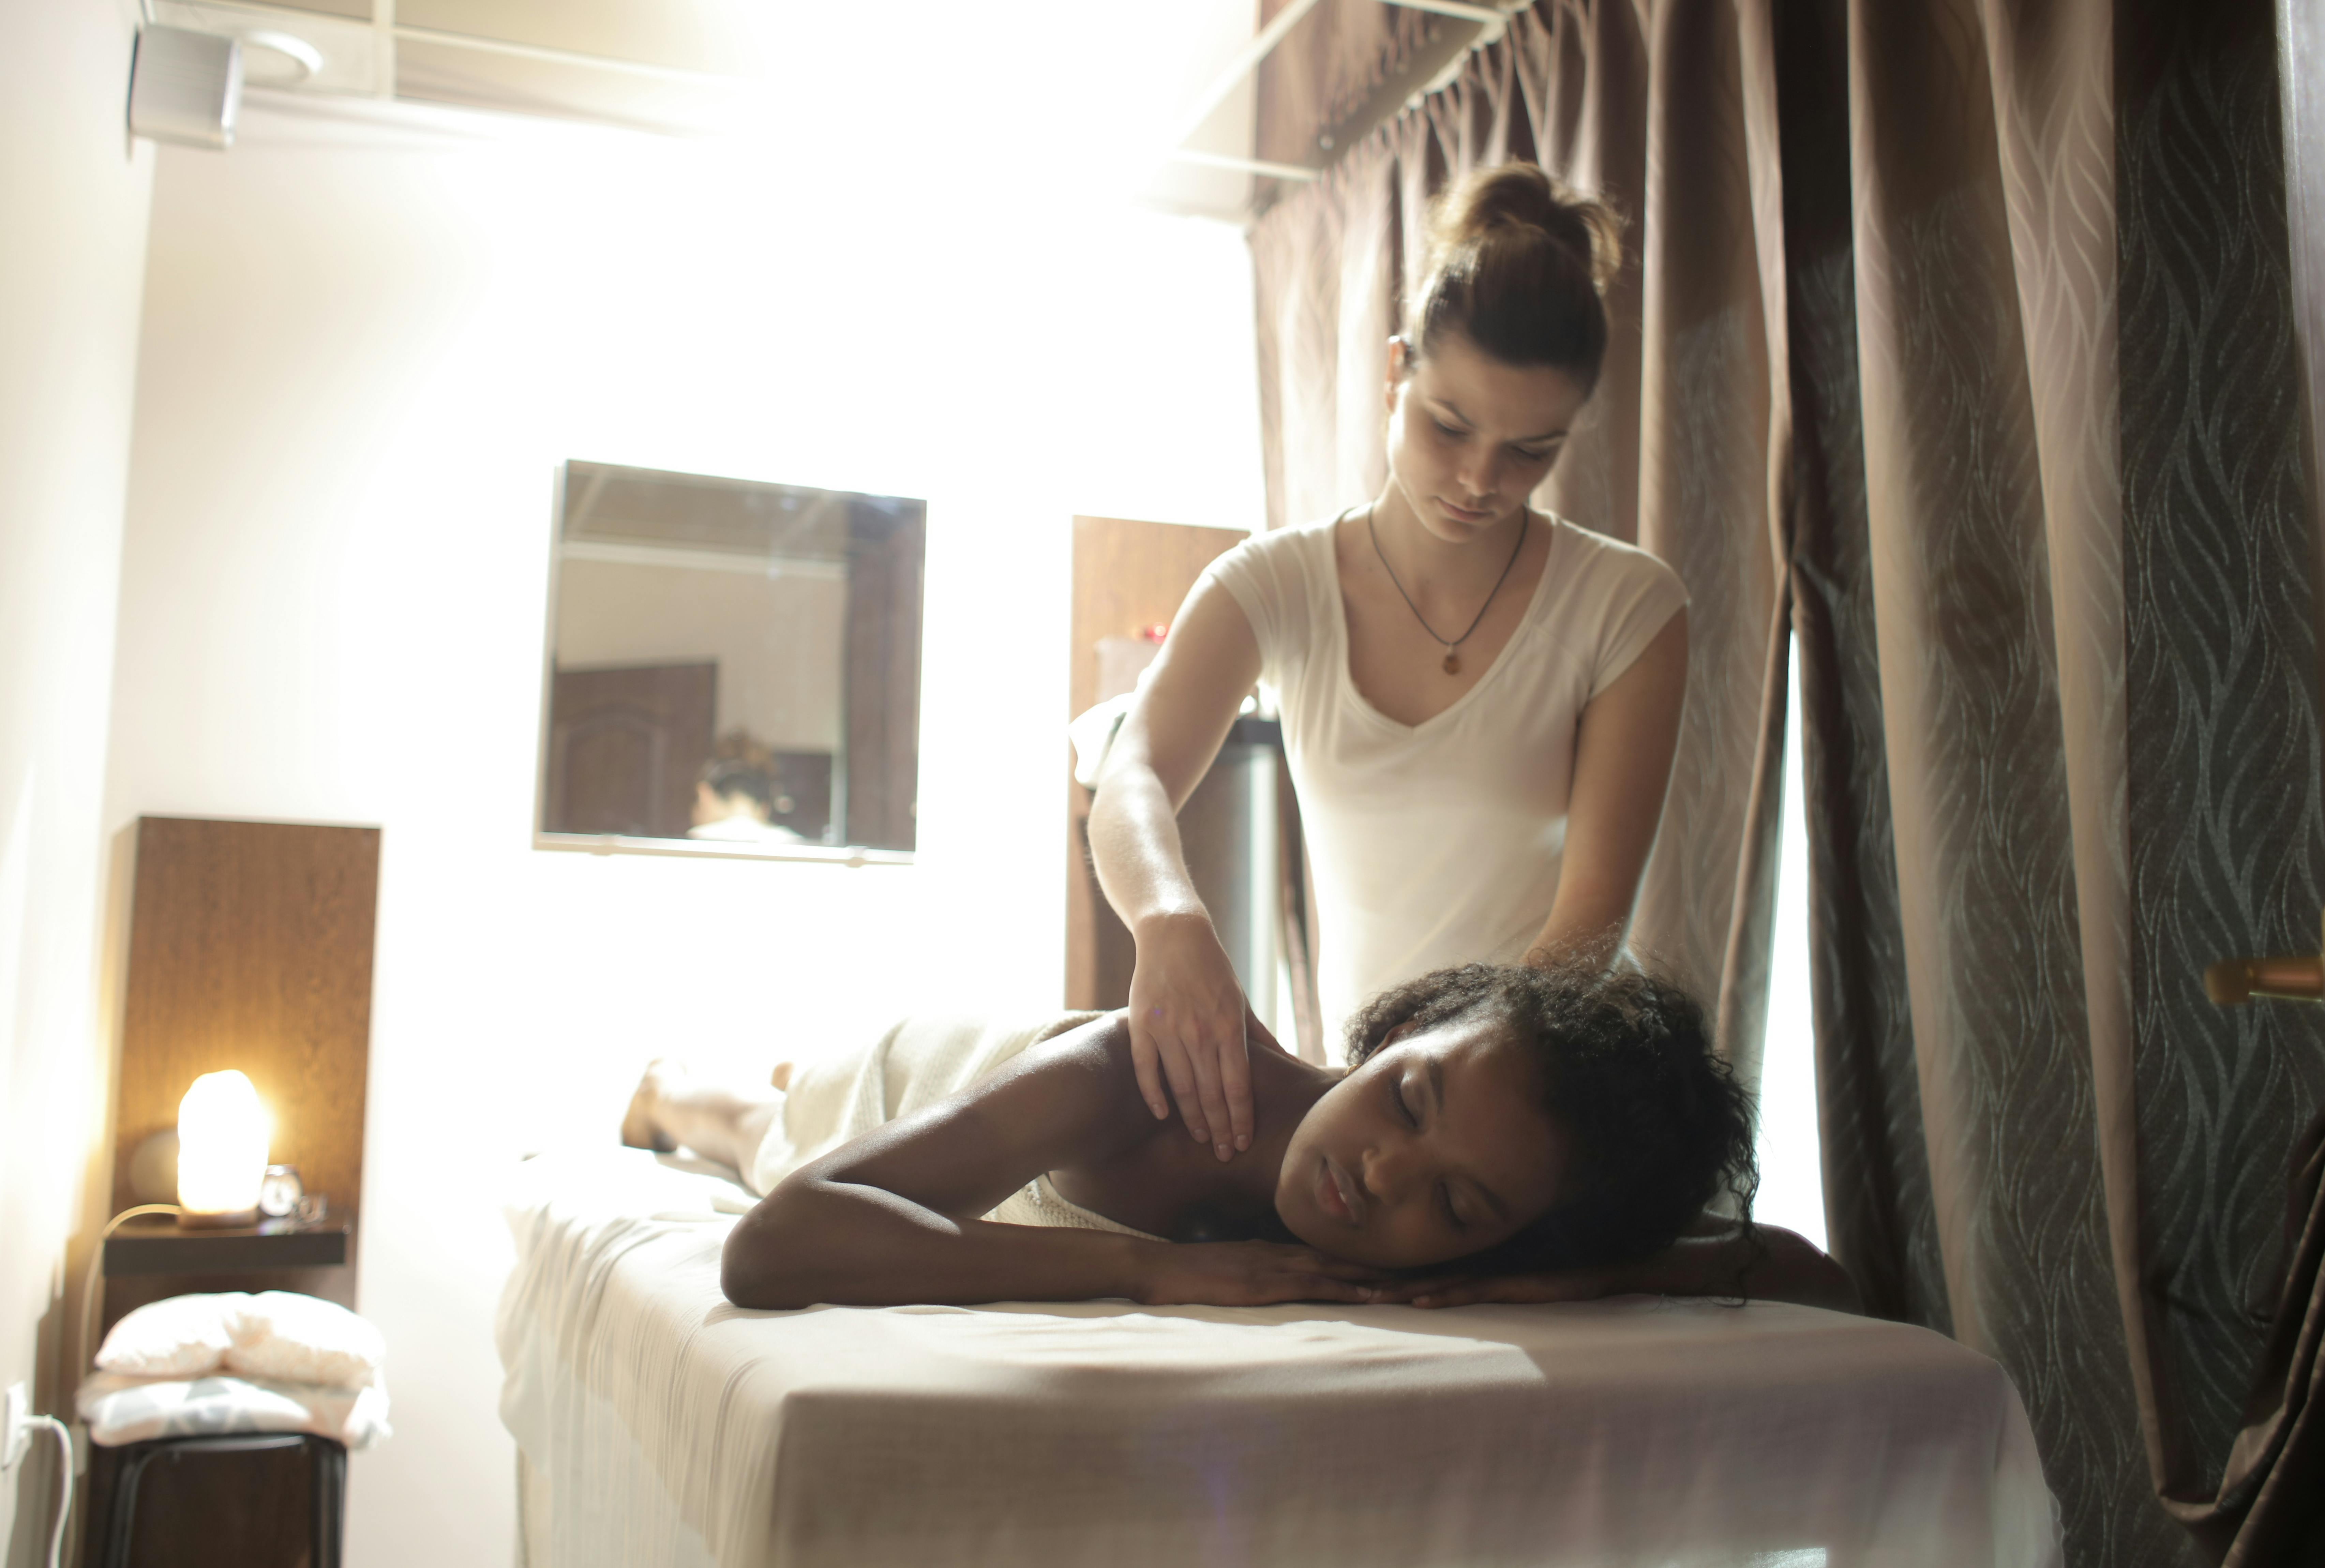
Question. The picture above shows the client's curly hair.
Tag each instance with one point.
(1660, 1127)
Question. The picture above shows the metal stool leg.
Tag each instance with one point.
(327, 1505)
(327, 1479)
(120, 1527)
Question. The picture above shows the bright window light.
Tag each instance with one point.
(1792, 1172)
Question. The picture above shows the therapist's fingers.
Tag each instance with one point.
(1178, 1065)
(1235, 1087)
(1207, 1056)
(1146, 1061)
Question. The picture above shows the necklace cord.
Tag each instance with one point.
(1507, 566)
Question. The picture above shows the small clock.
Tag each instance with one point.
(278, 1193)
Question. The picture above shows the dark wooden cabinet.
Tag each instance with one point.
(250, 947)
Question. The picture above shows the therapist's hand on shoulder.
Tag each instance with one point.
(1191, 1029)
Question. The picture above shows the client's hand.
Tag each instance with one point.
(1450, 1290)
(1253, 1274)
(1187, 1024)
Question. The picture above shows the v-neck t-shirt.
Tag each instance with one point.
(1439, 843)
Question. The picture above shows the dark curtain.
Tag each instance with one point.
(1960, 345)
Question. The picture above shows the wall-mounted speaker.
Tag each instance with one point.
(185, 87)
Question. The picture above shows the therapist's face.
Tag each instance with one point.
(1470, 437)
(1436, 1147)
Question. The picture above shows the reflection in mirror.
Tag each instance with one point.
(732, 663)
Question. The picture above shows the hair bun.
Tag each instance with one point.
(1525, 196)
(1519, 264)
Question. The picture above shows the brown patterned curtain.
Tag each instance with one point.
(1964, 352)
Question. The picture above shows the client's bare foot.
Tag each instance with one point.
(782, 1076)
(639, 1129)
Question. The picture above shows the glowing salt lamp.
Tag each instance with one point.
(222, 1135)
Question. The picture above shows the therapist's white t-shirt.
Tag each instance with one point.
(1439, 843)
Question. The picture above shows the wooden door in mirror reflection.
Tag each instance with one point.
(625, 747)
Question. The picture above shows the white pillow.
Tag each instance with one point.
(301, 1339)
(182, 1337)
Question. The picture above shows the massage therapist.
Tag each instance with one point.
(1480, 701)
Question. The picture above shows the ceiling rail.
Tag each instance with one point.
(1490, 18)
(1246, 60)
(1488, 14)
(1273, 171)
(484, 45)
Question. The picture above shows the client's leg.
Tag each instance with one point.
(672, 1108)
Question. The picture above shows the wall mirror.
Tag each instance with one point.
(734, 668)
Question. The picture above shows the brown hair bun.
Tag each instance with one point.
(1519, 264)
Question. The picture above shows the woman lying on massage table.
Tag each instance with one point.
(1548, 1134)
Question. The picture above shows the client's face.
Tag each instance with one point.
(1435, 1148)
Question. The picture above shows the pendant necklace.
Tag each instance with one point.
(1453, 665)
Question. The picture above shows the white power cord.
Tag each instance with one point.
(90, 1300)
(64, 1481)
(21, 1425)
(16, 1431)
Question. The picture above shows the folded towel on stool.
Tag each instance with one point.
(120, 1408)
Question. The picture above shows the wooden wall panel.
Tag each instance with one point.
(250, 946)
(1128, 576)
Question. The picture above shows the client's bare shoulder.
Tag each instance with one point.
(1067, 1102)
(1084, 1078)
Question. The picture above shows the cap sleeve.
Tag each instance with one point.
(1266, 577)
(1641, 595)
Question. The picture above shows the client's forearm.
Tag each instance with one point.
(860, 1246)
(1780, 1267)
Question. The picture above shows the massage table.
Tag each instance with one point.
(657, 1424)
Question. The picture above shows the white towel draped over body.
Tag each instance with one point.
(917, 1064)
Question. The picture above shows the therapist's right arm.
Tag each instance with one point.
(1186, 1009)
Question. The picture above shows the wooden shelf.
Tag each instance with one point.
(272, 1245)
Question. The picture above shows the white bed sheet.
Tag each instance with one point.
(658, 1424)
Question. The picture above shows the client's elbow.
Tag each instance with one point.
(751, 1271)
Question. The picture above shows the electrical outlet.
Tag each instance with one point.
(18, 1431)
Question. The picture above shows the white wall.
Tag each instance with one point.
(75, 197)
(364, 350)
